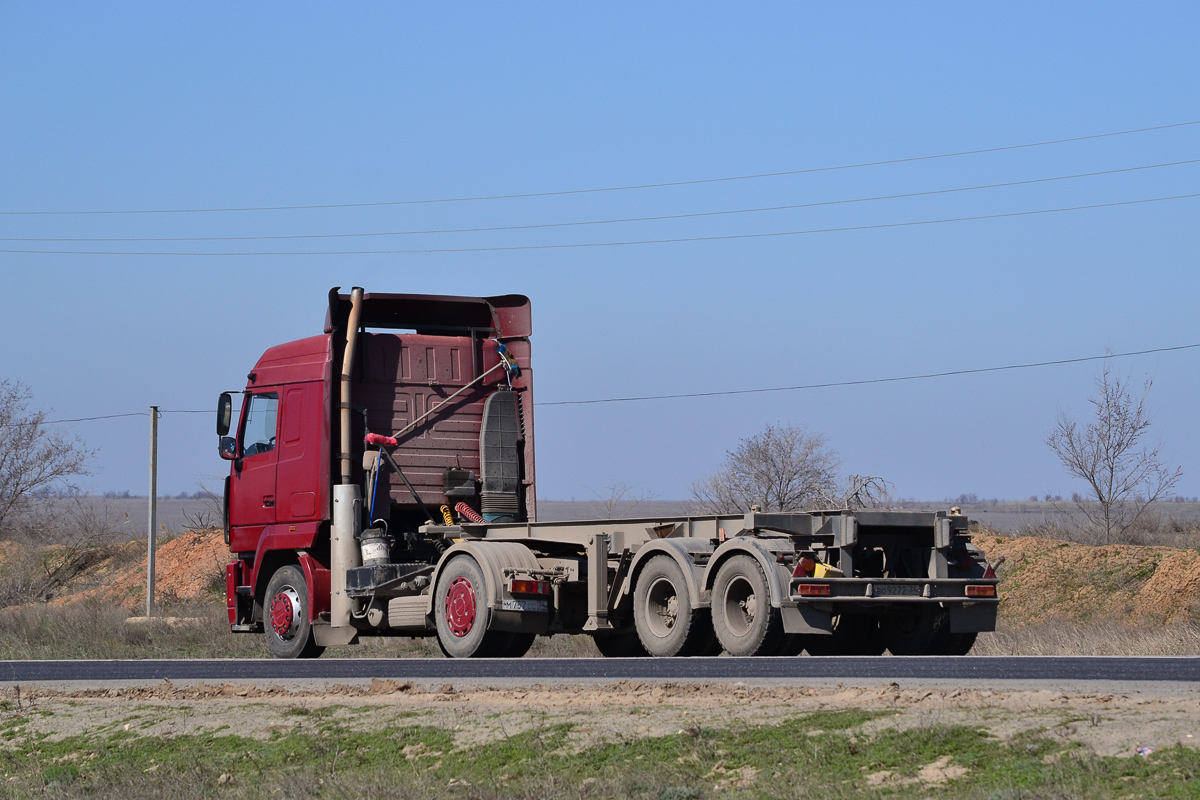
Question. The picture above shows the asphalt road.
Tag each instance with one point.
(1075, 668)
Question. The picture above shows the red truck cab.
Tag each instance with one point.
(429, 360)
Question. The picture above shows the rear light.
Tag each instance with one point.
(813, 589)
(529, 587)
(981, 591)
(805, 567)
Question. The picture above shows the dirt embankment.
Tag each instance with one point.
(189, 567)
(1044, 580)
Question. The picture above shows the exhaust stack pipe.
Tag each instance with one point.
(356, 295)
(347, 499)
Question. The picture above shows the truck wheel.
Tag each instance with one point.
(666, 623)
(742, 615)
(289, 633)
(620, 645)
(461, 612)
(853, 635)
(922, 632)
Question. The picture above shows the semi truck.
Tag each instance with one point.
(382, 483)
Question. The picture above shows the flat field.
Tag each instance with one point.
(599, 740)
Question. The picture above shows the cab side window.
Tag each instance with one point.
(258, 435)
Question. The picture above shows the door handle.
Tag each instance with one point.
(269, 501)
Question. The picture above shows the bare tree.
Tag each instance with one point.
(33, 457)
(208, 514)
(618, 497)
(781, 469)
(1123, 478)
(860, 491)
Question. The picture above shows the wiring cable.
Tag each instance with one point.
(579, 245)
(869, 381)
(727, 392)
(579, 223)
(625, 188)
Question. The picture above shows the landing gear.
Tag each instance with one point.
(289, 633)
(742, 615)
(666, 623)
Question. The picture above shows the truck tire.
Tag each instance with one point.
(921, 632)
(461, 613)
(853, 635)
(625, 644)
(666, 623)
(745, 621)
(289, 633)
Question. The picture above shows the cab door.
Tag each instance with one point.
(252, 482)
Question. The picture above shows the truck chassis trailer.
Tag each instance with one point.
(431, 528)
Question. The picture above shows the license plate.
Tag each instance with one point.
(521, 604)
(897, 590)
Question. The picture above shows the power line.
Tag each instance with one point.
(722, 393)
(161, 411)
(629, 187)
(621, 220)
(868, 381)
(578, 245)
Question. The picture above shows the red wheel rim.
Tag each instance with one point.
(460, 607)
(284, 612)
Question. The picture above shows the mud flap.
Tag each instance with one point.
(806, 619)
(973, 618)
(327, 636)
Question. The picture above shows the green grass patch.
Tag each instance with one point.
(827, 754)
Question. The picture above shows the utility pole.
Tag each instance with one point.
(150, 534)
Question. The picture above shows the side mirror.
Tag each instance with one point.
(224, 414)
(227, 448)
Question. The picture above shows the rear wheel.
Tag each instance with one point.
(461, 613)
(743, 617)
(289, 632)
(921, 632)
(666, 623)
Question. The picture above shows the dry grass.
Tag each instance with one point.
(1102, 638)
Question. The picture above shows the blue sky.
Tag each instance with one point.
(166, 106)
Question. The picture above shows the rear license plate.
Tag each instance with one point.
(521, 604)
(897, 590)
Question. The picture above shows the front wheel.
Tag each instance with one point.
(289, 632)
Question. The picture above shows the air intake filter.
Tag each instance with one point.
(500, 456)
